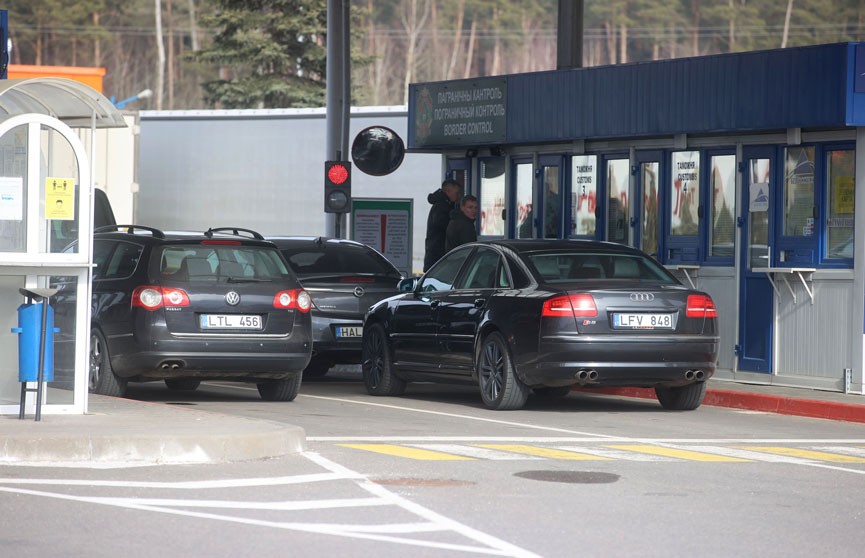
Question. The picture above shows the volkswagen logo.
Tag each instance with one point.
(358, 292)
(232, 298)
(642, 297)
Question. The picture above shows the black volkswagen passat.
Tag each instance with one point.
(515, 316)
(187, 307)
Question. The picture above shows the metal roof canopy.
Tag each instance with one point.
(814, 87)
(73, 103)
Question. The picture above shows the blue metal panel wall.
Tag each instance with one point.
(765, 90)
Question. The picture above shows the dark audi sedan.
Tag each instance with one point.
(344, 278)
(516, 316)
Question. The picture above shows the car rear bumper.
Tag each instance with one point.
(339, 349)
(649, 361)
(242, 359)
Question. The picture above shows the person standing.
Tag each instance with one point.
(442, 202)
(461, 228)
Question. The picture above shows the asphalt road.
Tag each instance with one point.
(433, 473)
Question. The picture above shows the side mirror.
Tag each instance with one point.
(377, 151)
(408, 284)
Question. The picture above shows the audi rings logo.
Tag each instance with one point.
(642, 297)
(358, 292)
(232, 298)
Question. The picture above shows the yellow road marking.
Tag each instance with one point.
(680, 453)
(410, 453)
(807, 454)
(544, 452)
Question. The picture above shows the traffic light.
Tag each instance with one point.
(337, 186)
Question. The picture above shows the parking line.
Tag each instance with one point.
(410, 453)
(679, 453)
(807, 454)
(475, 452)
(545, 452)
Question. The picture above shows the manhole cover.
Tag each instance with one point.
(574, 477)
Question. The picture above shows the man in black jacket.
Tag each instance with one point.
(462, 229)
(442, 201)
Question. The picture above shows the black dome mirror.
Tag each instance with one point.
(377, 151)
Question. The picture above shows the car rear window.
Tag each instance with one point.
(332, 260)
(200, 262)
(561, 267)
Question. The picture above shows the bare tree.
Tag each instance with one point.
(413, 21)
(160, 56)
(786, 23)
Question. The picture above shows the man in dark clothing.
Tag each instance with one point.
(461, 229)
(442, 202)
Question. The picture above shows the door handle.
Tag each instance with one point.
(479, 302)
(434, 304)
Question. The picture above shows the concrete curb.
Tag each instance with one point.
(812, 408)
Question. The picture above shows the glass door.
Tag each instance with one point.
(756, 295)
(550, 195)
(647, 192)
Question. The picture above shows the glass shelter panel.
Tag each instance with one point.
(617, 172)
(492, 197)
(525, 215)
(59, 184)
(798, 217)
(685, 199)
(13, 190)
(840, 195)
(722, 180)
(584, 194)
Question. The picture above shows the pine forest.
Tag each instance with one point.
(196, 54)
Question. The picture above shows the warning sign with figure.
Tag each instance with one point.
(60, 199)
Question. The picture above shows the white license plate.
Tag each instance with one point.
(643, 321)
(230, 321)
(349, 331)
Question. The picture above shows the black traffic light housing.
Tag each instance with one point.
(337, 187)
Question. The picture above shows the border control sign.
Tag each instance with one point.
(464, 112)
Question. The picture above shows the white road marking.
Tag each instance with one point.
(569, 439)
(475, 452)
(403, 533)
(616, 454)
(459, 416)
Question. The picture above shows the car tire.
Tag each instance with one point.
(182, 384)
(500, 388)
(316, 368)
(552, 392)
(102, 379)
(280, 390)
(682, 398)
(378, 374)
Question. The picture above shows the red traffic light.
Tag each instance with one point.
(337, 173)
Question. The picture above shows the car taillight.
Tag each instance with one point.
(701, 306)
(151, 297)
(580, 305)
(295, 299)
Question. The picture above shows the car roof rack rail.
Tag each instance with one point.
(236, 231)
(130, 229)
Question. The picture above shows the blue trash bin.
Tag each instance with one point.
(30, 335)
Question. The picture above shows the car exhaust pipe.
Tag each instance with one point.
(585, 376)
(698, 375)
(689, 375)
(172, 365)
(695, 375)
